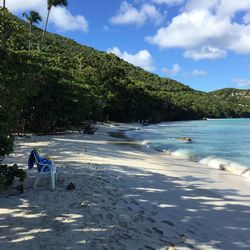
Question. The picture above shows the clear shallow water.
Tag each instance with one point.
(213, 141)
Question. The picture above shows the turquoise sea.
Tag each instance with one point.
(214, 141)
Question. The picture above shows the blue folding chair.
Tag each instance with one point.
(44, 166)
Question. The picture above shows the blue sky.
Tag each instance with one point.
(202, 43)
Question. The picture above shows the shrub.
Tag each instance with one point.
(89, 129)
(6, 143)
(8, 174)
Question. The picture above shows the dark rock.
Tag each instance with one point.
(222, 167)
(184, 139)
(71, 186)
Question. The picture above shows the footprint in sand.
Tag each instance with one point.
(151, 220)
(149, 247)
(125, 201)
(191, 231)
(154, 213)
(97, 217)
(135, 202)
(190, 246)
(164, 241)
(123, 224)
(148, 231)
(105, 208)
(158, 231)
(183, 237)
(171, 248)
(132, 229)
(109, 216)
(111, 199)
(142, 211)
(138, 218)
(168, 222)
(126, 236)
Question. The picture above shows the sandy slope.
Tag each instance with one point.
(126, 197)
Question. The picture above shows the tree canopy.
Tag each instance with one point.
(67, 83)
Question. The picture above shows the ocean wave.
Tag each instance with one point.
(181, 153)
(230, 166)
(211, 161)
(145, 142)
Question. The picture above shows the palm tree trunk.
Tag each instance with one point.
(3, 35)
(30, 35)
(45, 28)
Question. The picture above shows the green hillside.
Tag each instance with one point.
(66, 83)
(231, 93)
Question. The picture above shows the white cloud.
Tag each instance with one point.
(174, 71)
(241, 43)
(65, 21)
(169, 2)
(242, 82)
(246, 18)
(191, 29)
(128, 14)
(222, 8)
(228, 8)
(205, 52)
(24, 5)
(141, 59)
(200, 5)
(207, 29)
(197, 72)
(61, 17)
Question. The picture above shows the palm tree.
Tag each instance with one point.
(79, 59)
(32, 17)
(4, 33)
(50, 4)
(4, 4)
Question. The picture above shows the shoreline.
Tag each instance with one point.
(209, 161)
(127, 197)
(194, 164)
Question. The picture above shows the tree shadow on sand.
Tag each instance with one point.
(119, 207)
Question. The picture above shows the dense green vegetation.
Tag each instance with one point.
(8, 175)
(66, 83)
(50, 4)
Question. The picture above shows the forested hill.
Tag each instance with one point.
(84, 56)
(231, 93)
(65, 83)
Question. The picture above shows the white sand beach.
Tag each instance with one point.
(126, 197)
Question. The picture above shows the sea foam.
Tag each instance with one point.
(182, 153)
(219, 144)
(230, 166)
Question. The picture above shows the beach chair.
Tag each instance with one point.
(44, 166)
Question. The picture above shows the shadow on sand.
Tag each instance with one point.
(118, 207)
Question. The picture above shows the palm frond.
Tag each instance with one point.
(26, 16)
(55, 3)
(35, 17)
(60, 2)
